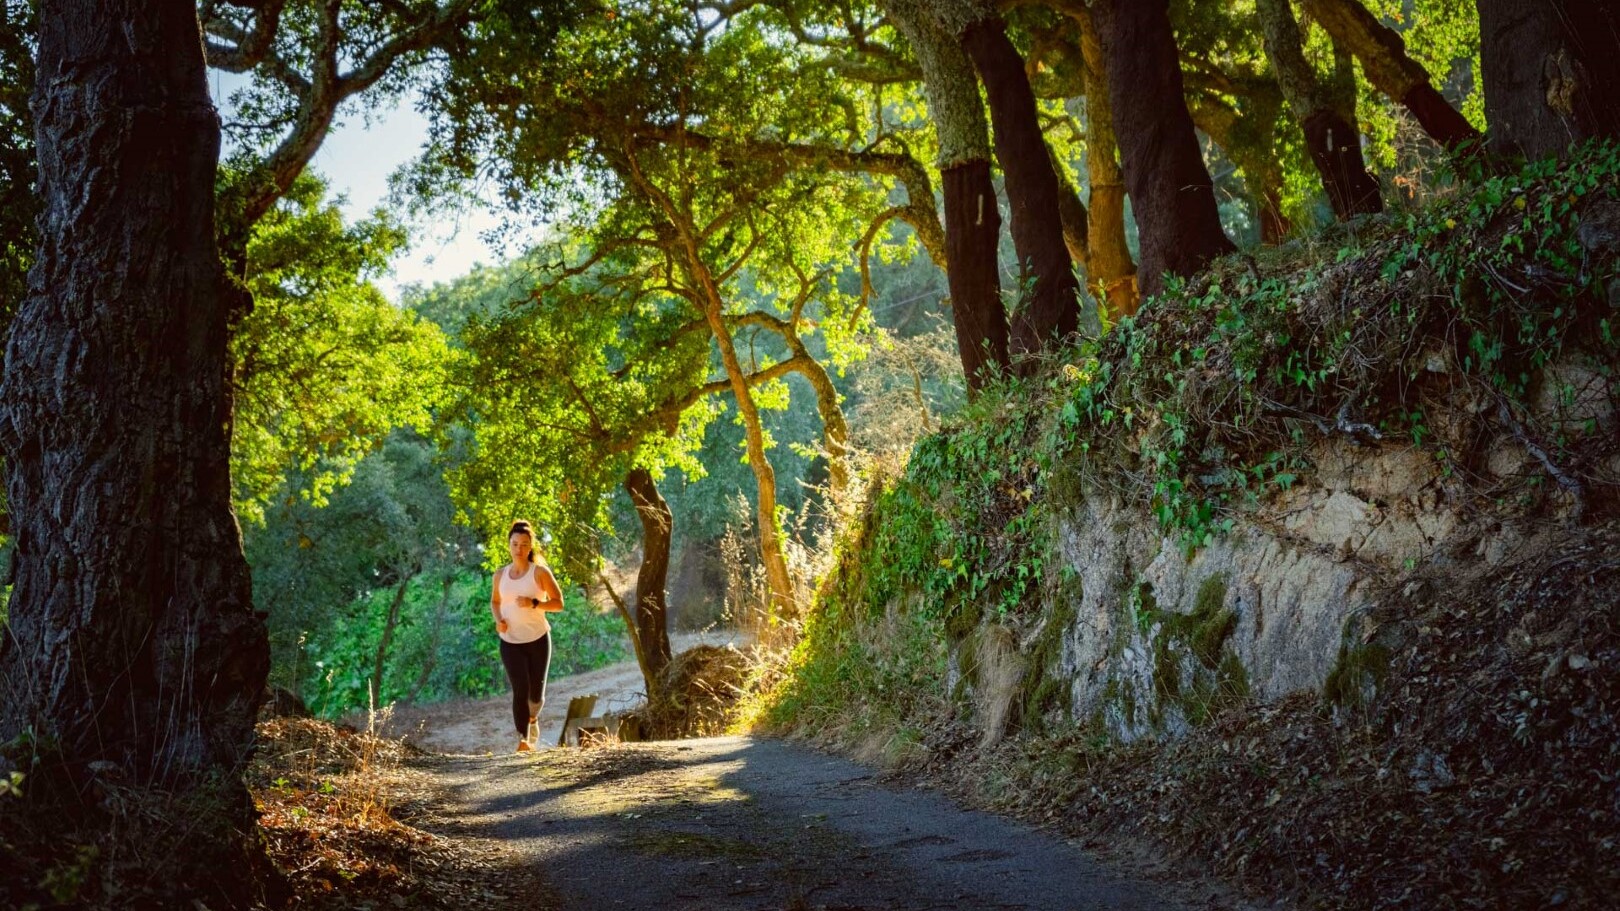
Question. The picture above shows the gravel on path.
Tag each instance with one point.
(748, 824)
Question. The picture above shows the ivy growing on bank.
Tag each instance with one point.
(1212, 399)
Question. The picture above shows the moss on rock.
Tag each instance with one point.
(1356, 675)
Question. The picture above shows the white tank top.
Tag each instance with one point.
(523, 624)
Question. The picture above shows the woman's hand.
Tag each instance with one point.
(536, 602)
(500, 626)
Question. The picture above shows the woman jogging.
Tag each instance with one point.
(523, 593)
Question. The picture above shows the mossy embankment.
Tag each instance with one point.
(1306, 571)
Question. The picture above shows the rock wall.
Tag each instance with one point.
(1146, 640)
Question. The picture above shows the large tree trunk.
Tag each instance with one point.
(652, 581)
(1551, 70)
(1112, 271)
(132, 635)
(1052, 311)
(1390, 70)
(1334, 144)
(972, 225)
(132, 599)
(1172, 195)
(972, 221)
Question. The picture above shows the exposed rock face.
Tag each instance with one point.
(1158, 640)
(1150, 641)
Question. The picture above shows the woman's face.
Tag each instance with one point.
(519, 545)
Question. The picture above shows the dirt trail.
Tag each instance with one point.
(748, 824)
(735, 823)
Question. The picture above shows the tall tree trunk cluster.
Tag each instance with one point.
(1052, 312)
(1136, 102)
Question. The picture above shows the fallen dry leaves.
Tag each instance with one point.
(1486, 774)
(343, 816)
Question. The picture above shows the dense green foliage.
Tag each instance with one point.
(330, 574)
(325, 365)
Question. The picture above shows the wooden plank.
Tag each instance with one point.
(578, 707)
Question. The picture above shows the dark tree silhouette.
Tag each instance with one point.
(1172, 195)
(1053, 310)
(1551, 70)
(132, 636)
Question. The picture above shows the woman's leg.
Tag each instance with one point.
(538, 654)
(516, 662)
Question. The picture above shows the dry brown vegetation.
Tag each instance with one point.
(344, 815)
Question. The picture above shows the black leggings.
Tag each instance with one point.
(526, 666)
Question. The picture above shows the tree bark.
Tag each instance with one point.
(133, 638)
(1112, 271)
(652, 581)
(1052, 311)
(972, 221)
(972, 225)
(1333, 143)
(1171, 191)
(1551, 70)
(1390, 70)
(390, 621)
(1072, 210)
(132, 634)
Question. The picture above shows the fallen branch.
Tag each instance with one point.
(1571, 485)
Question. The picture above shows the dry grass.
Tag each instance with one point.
(343, 815)
(699, 695)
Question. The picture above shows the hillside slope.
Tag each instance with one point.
(1311, 571)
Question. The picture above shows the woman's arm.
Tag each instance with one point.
(550, 595)
(495, 601)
